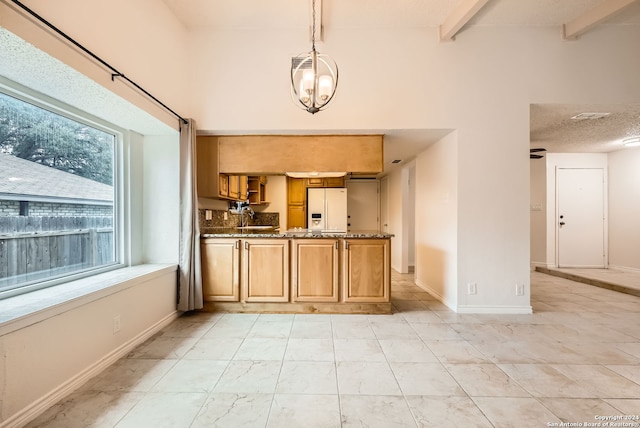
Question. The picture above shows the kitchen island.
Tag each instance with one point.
(259, 269)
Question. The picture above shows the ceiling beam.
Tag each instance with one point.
(460, 16)
(600, 13)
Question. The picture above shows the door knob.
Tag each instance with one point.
(562, 223)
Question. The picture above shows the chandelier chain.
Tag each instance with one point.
(313, 31)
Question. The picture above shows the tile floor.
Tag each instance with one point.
(576, 357)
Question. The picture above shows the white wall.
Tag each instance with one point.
(396, 215)
(44, 361)
(436, 218)
(624, 209)
(161, 195)
(410, 218)
(564, 160)
(277, 197)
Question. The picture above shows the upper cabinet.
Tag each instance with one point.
(235, 167)
(257, 190)
(277, 154)
(325, 182)
(212, 183)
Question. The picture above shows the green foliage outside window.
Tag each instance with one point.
(38, 135)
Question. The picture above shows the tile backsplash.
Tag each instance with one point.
(233, 220)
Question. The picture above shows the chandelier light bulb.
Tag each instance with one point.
(325, 86)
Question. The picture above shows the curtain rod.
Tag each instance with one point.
(114, 72)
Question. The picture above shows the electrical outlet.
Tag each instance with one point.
(208, 214)
(472, 288)
(116, 324)
(519, 289)
(226, 215)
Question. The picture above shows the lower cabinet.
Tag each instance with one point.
(265, 270)
(220, 269)
(315, 272)
(366, 270)
(305, 271)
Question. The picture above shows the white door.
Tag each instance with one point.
(581, 217)
(362, 205)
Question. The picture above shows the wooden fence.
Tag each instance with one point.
(34, 248)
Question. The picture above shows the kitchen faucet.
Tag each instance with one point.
(244, 221)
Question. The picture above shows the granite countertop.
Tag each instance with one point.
(291, 233)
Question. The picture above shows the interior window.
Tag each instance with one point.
(57, 196)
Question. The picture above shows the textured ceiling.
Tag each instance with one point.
(382, 14)
(552, 128)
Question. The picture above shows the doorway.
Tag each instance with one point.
(363, 205)
(580, 218)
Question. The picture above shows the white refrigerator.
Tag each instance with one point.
(327, 209)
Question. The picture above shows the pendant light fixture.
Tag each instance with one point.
(314, 76)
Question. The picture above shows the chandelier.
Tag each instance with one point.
(314, 76)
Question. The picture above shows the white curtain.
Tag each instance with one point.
(189, 270)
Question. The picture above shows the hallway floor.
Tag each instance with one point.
(613, 279)
(576, 358)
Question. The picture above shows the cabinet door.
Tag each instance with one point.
(207, 165)
(315, 270)
(334, 182)
(296, 216)
(234, 187)
(243, 189)
(315, 182)
(366, 270)
(220, 270)
(265, 270)
(223, 186)
(296, 191)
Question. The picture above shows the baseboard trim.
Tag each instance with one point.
(624, 268)
(534, 265)
(499, 310)
(435, 294)
(39, 406)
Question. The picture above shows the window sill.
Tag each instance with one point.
(21, 311)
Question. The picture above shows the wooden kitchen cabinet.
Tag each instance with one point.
(257, 186)
(325, 182)
(220, 270)
(296, 191)
(223, 186)
(243, 187)
(296, 216)
(238, 187)
(212, 183)
(265, 270)
(296, 203)
(315, 271)
(234, 187)
(366, 270)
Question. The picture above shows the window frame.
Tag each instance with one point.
(121, 206)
